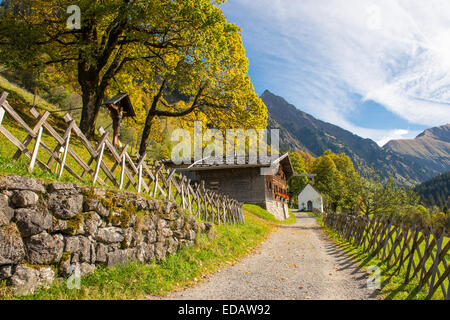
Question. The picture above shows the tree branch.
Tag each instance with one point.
(185, 112)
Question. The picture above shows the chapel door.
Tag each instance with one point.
(310, 206)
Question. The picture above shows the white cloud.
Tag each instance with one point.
(393, 135)
(394, 52)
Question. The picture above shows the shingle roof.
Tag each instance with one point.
(124, 101)
(215, 163)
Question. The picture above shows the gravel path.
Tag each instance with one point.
(296, 262)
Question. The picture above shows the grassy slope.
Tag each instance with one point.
(393, 287)
(21, 101)
(183, 269)
(262, 213)
(133, 280)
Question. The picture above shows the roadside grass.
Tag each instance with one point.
(392, 283)
(262, 213)
(133, 280)
(181, 270)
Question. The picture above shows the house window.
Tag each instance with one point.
(214, 185)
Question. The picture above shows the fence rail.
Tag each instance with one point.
(142, 176)
(422, 253)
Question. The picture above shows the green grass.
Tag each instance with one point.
(133, 280)
(393, 286)
(28, 97)
(181, 270)
(262, 213)
(21, 101)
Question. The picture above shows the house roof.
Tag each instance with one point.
(237, 163)
(122, 100)
(309, 184)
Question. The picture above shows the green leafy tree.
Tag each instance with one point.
(211, 78)
(349, 188)
(118, 40)
(386, 199)
(296, 184)
(328, 180)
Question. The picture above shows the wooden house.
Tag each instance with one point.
(263, 183)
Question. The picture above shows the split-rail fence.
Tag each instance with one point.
(141, 175)
(418, 253)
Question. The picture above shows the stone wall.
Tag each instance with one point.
(47, 229)
(278, 209)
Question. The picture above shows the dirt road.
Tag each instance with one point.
(296, 262)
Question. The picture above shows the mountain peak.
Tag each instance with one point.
(438, 133)
(317, 136)
(431, 148)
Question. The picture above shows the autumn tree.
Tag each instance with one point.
(296, 184)
(338, 181)
(206, 81)
(328, 180)
(384, 198)
(116, 38)
(349, 186)
(308, 159)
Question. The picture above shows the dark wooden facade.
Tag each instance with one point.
(245, 182)
(276, 184)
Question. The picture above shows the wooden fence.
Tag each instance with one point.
(142, 175)
(422, 253)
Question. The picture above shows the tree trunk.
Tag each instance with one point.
(88, 114)
(146, 133)
(88, 79)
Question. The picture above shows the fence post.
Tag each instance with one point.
(139, 171)
(411, 254)
(188, 184)
(2, 114)
(99, 162)
(139, 178)
(66, 148)
(2, 111)
(60, 151)
(437, 260)
(423, 265)
(36, 148)
(388, 237)
(448, 290)
(122, 172)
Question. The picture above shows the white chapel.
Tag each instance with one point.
(309, 199)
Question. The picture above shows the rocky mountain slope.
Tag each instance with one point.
(287, 141)
(431, 148)
(301, 130)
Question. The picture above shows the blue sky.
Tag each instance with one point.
(380, 69)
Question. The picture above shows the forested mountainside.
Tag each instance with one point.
(435, 192)
(299, 129)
